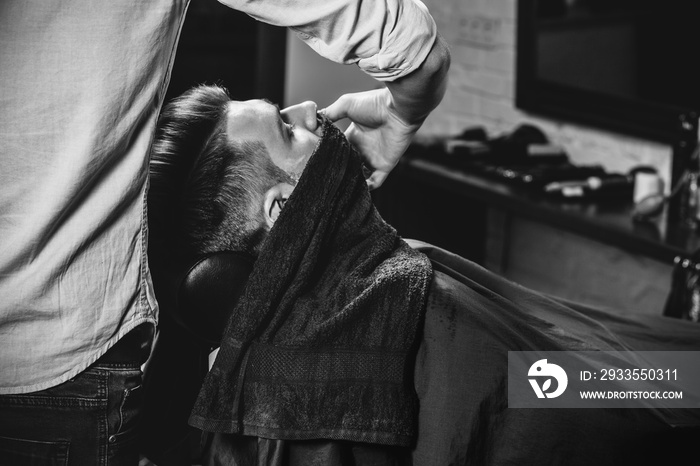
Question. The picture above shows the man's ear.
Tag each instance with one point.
(275, 197)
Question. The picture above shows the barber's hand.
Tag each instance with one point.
(376, 131)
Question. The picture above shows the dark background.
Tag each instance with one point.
(224, 46)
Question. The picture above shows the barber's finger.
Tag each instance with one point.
(376, 179)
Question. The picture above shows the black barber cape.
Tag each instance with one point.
(473, 319)
(321, 348)
(322, 342)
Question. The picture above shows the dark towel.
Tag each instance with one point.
(321, 344)
(473, 319)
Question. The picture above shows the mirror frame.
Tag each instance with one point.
(644, 119)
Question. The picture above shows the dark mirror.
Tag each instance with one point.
(622, 65)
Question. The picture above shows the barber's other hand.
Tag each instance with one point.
(376, 131)
(385, 120)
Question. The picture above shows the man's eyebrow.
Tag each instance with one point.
(272, 103)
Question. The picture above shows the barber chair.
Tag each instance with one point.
(195, 299)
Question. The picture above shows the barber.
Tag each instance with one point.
(81, 85)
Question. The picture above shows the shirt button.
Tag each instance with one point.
(112, 439)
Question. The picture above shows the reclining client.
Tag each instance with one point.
(350, 345)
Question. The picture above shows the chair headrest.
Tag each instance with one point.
(208, 292)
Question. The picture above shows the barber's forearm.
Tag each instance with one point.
(418, 93)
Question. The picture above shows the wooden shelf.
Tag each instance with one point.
(608, 221)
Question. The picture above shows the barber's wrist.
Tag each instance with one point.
(415, 95)
(406, 122)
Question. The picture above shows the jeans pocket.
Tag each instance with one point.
(20, 452)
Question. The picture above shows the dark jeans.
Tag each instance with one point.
(89, 420)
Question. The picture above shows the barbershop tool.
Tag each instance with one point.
(472, 142)
(647, 182)
(684, 299)
(688, 186)
(594, 186)
(526, 157)
(652, 205)
(538, 176)
(525, 145)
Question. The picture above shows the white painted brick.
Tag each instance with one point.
(464, 55)
(500, 60)
(504, 9)
(458, 101)
(509, 88)
(498, 110)
(479, 31)
(508, 34)
(483, 83)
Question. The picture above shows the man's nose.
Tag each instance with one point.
(303, 114)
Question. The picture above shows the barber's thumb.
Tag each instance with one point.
(337, 110)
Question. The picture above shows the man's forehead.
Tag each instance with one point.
(249, 118)
(256, 107)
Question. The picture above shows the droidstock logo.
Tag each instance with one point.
(544, 371)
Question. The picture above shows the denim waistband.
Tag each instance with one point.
(135, 346)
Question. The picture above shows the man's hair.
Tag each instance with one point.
(206, 191)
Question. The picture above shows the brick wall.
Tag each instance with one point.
(482, 39)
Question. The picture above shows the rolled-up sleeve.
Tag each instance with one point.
(387, 39)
